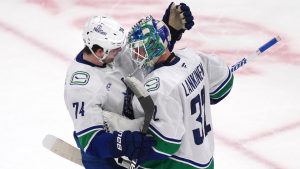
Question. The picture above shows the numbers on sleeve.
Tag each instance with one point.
(79, 109)
(199, 102)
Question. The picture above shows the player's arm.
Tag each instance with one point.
(98, 142)
(178, 18)
(90, 134)
(166, 127)
(220, 77)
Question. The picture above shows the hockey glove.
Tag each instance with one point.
(134, 145)
(117, 122)
(178, 18)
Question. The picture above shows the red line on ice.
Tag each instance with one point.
(31, 40)
(272, 132)
(50, 5)
(251, 154)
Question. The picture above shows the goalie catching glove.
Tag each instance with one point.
(178, 18)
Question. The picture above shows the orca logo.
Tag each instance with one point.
(80, 78)
(152, 84)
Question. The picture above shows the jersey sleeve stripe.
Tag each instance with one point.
(177, 163)
(223, 89)
(89, 129)
(223, 92)
(215, 101)
(86, 136)
(229, 77)
(86, 139)
(161, 153)
(192, 163)
(162, 137)
(163, 146)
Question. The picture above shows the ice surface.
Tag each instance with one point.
(256, 126)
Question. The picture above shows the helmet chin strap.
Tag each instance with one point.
(100, 59)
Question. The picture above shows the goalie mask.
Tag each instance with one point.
(104, 32)
(148, 40)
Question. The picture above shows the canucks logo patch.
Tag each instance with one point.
(152, 84)
(80, 78)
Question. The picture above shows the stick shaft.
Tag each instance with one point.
(259, 51)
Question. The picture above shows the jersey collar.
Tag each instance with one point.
(79, 58)
(172, 60)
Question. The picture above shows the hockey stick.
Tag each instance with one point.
(69, 152)
(146, 102)
(62, 149)
(259, 51)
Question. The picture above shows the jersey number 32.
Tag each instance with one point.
(200, 133)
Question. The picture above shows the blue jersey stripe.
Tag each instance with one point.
(215, 101)
(162, 136)
(191, 162)
(89, 129)
(224, 83)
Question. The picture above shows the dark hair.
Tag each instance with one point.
(87, 50)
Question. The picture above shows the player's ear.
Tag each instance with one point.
(99, 52)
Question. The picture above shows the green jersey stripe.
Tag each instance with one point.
(164, 147)
(161, 136)
(227, 87)
(172, 163)
(86, 138)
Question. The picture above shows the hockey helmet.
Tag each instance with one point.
(104, 32)
(148, 40)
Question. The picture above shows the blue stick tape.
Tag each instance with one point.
(268, 45)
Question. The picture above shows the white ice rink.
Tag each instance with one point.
(256, 127)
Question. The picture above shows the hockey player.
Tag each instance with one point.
(183, 84)
(93, 86)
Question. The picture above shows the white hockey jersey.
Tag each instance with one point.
(90, 89)
(183, 92)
